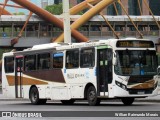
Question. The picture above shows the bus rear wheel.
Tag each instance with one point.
(67, 102)
(92, 96)
(127, 101)
(34, 97)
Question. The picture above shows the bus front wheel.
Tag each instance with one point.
(92, 96)
(127, 101)
(34, 97)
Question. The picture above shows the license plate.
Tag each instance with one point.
(140, 93)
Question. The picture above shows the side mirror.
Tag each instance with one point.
(158, 70)
(114, 59)
(109, 54)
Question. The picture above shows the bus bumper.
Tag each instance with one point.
(120, 92)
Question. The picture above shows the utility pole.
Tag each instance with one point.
(66, 22)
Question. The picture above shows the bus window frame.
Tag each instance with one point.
(37, 61)
(71, 63)
(5, 64)
(52, 56)
(94, 53)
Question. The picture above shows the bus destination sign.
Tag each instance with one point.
(135, 44)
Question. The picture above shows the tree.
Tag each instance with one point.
(55, 9)
(3, 50)
(20, 13)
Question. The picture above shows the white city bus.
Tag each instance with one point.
(113, 68)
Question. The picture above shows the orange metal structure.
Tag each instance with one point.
(5, 2)
(15, 6)
(49, 17)
(86, 16)
(83, 5)
(106, 22)
(15, 40)
(100, 5)
(4, 11)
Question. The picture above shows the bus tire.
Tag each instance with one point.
(127, 101)
(92, 96)
(68, 102)
(34, 97)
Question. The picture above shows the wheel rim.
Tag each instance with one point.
(92, 95)
(34, 96)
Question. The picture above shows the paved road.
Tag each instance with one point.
(53, 107)
(25, 105)
(68, 110)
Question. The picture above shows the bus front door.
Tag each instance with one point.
(103, 70)
(18, 77)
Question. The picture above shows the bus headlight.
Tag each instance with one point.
(121, 85)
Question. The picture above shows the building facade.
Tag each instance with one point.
(155, 6)
(131, 6)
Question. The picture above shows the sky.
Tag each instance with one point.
(14, 10)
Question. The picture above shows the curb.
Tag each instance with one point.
(116, 100)
(7, 99)
(151, 100)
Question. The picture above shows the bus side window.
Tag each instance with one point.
(43, 61)
(72, 59)
(30, 62)
(58, 60)
(87, 58)
(9, 64)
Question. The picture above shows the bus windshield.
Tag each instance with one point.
(136, 62)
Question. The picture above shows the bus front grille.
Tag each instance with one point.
(140, 92)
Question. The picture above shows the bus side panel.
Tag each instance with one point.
(61, 92)
(41, 90)
(78, 79)
(111, 90)
(8, 90)
(26, 89)
(77, 91)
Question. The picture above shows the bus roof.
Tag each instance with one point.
(63, 46)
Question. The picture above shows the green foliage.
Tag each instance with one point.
(3, 50)
(55, 9)
(20, 13)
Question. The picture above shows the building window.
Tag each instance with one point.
(79, 1)
(43, 61)
(111, 9)
(58, 60)
(30, 62)
(57, 1)
(72, 59)
(9, 64)
(154, 6)
(87, 58)
(133, 7)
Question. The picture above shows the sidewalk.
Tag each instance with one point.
(3, 98)
(149, 99)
